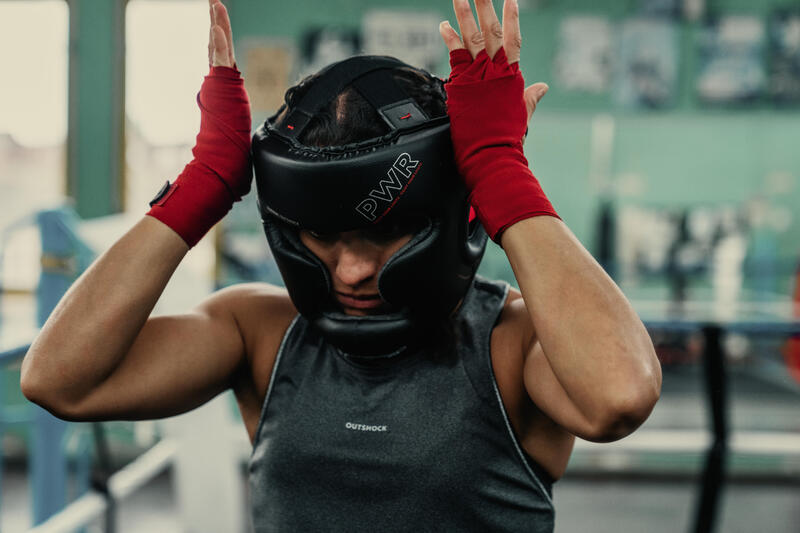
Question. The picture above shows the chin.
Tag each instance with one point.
(364, 312)
(372, 311)
(356, 312)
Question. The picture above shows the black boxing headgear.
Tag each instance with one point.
(408, 172)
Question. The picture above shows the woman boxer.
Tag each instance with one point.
(387, 388)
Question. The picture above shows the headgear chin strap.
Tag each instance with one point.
(409, 172)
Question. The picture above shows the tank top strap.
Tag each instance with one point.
(475, 321)
(295, 335)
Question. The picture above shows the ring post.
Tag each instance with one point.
(714, 472)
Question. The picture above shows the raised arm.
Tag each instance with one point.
(99, 356)
(590, 366)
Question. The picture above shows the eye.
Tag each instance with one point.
(383, 232)
(323, 237)
(393, 230)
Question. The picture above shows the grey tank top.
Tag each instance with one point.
(415, 443)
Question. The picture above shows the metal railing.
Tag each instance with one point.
(96, 504)
(63, 257)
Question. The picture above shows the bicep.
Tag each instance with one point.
(175, 364)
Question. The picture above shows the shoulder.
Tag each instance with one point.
(245, 298)
(262, 313)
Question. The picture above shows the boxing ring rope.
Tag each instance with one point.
(716, 387)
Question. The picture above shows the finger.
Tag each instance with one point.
(533, 95)
(221, 57)
(450, 37)
(224, 22)
(512, 36)
(470, 34)
(211, 32)
(491, 28)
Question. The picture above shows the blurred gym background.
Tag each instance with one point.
(666, 142)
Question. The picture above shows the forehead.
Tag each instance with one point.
(358, 243)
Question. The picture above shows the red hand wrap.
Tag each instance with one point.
(488, 119)
(221, 170)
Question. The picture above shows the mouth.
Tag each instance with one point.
(359, 302)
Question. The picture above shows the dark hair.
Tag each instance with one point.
(350, 118)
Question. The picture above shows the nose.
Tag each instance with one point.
(357, 264)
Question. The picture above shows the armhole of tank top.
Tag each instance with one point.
(527, 462)
(274, 373)
(523, 457)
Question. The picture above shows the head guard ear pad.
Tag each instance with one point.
(305, 276)
(432, 274)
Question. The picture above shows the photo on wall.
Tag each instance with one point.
(647, 68)
(784, 54)
(268, 67)
(732, 68)
(323, 45)
(661, 8)
(583, 57)
(409, 35)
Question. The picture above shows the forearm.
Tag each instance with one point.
(98, 319)
(596, 345)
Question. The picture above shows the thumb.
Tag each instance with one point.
(533, 95)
